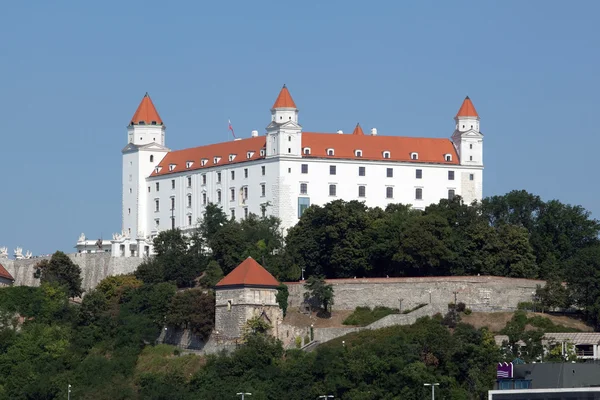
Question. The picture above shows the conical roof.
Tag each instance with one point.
(358, 130)
(146, 113)
(467, 109)
(284, 100)
(249, 273)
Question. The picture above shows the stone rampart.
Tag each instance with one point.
(94, 268)
(479, 293)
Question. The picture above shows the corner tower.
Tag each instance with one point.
(467, 138)
(284, 133)
(144, 151)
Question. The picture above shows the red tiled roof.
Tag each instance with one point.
(358, 130)
(429, 150)
(467, 109)
(249, 273)
(239, 148)
(284, 100)
(5, 274)
(146, 113)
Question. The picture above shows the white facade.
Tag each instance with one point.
(288, 170)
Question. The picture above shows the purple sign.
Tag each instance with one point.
(504, 370)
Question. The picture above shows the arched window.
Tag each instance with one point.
(330, 152)
(448, 157)
(151, 158)
(307, 151)
(386, 154)
(414, 156)
(358, 153)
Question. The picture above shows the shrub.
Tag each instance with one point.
(306, 339)
(460, 307)
(468, 311)
(363, 316)
(525, 305)
(298, 341)
(176, 352)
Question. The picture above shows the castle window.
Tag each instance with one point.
(231, 157)
(386, 154)
(361, 171)
(245, 212)
(419, 174)
(471, 177)
(172, 203)
(263, 190)
(389, 192)
(157, 186)
(172, 167)
(148, 189)
(204, 198)
(304, 168)
(470, 158)
(156, 205)
(249, 154)
(263, 170)
(358, 153)
(389, 172)
(332, 170)
(245, 172)
(219, 196)
(332, 190)
(151, 158)
(204, 161)
(450, 175)
(216, 160)
(189, 200)
(330, 152)
(189, 164)
(303, 188)
(232, 175)
(450, 194)
(289, 137)
(172, 183)
(262, 153)
(419, 194)
(218, 177)
(157, 169)
(189, 220)
(229, 301)
(232, 192)
(233, 213)
(414, 156)
(471, 146)
(189, 181)
(362, 191)
(289, 150)
(307, 151)
(448, 157)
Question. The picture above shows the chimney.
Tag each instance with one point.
(373, 131)
(254, 133)
(341, 132)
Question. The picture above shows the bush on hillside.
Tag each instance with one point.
(363, 316)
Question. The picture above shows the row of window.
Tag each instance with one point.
(203, 177)
(389, 192)
(385, 154)
(362, 171)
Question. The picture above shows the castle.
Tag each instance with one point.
(284, 171)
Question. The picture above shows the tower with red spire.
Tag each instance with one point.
(284, 133)
(144, 151)
(468, 142)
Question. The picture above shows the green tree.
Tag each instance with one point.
(282, 297)
(62, 271)
(319, 291)
(255, 326)
(212, 275)
(553, 294)
(583, 282)
(194, 310)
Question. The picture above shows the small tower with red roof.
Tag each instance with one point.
(467, 138)
(284, 133)
(246, 292)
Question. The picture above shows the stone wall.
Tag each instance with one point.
(94, 268)
(479, 293)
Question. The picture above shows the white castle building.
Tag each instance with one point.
(284, 171)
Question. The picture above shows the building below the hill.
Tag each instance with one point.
(246, 292)
(284, 171)
(6, 278)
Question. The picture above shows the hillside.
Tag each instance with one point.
(496, 321)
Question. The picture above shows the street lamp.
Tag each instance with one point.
(433, 385)
(326, 396)
(244, 394)
(429, 291)
(400, 310)
(302, 273)
(69, 392)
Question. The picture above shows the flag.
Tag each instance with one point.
(231, 129)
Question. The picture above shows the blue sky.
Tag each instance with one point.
(73, 73)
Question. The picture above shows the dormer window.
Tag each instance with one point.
(188, 164)
(249, 154)
(414, 156)
(358, 153)
(153, 123)
(231, 157)
(143, 123)
(157, 169)
(330, 152)
(262, 152)
(216, 160)
(204, 161)
(306, 151)
(448, 157)
(386, 154)
(172, 167)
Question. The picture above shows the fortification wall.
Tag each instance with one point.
(94, 268)
(479, 293)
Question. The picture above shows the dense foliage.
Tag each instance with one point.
(62, 271)
(515, 235)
